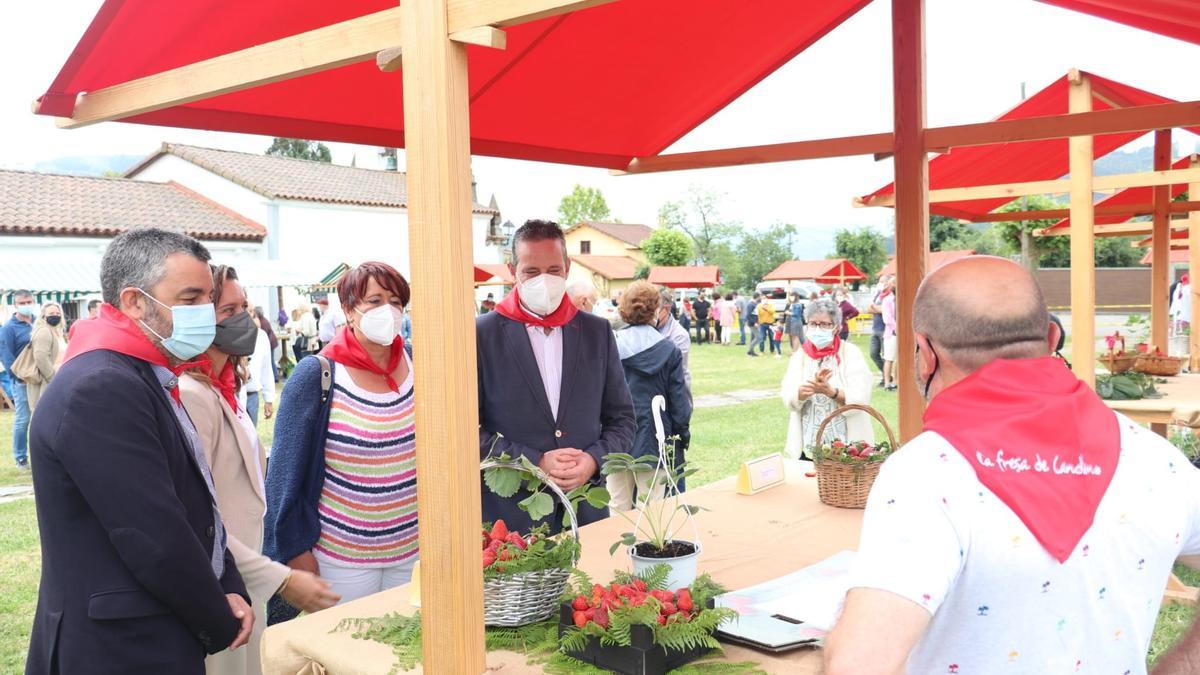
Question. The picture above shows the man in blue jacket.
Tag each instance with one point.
(551, 386)
(136, 574)
(14, 337)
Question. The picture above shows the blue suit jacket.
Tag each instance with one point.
(595, 413)
(126, 526)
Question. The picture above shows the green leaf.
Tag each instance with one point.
(538, 505)
(529, 466)
(503, 481)
(597, 497)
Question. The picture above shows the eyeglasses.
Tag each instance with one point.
(825, 324)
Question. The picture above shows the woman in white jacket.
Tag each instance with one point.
(824, 375)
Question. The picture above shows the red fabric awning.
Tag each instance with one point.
(828, 271)
(1174, 18)
(1126, 197)
(595, 87)
(1177, 236)
(936, 260)
(496, 273)
(703, 276)
(1030, 161)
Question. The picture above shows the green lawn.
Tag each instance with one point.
(722, 438)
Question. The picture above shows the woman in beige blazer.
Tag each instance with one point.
(48, 347)
(237, 462)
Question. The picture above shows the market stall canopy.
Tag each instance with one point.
(828, 271)
(1173, 18)
(596, 87)
(1126, 197)
(1005, 163)
(701, 276)
(61, 278)
(936, 260)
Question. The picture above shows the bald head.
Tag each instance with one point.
(582, 294)
(982, 308)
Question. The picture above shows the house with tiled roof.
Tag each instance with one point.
(54, 228)
(606, 254)
(317, 214)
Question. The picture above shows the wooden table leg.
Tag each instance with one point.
(1159, 428)
(1180, 593)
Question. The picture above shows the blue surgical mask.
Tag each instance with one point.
(821, 337)
(27, 310)
(193, 328)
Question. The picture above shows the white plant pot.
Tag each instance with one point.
(683, 569)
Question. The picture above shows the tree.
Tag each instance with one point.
(583, 204)
(668, 248)
(864, 247)
(760, 252)
(300, 149)
(1034, 251)
(698, 216)
(943, 230)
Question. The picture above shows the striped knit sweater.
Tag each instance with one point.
(368, 506)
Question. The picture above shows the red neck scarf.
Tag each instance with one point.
(1039, 439)
(830, 349)
(348, 351)
(510, 307)
(113, 331)
(225, 382)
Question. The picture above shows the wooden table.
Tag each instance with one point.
(1180, 404)
(746, 540)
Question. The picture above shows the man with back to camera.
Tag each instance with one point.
(551, 385)
(136, 575)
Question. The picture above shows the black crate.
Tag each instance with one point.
(641, 657)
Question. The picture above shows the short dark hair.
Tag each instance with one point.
(93, 304)
(221, 274)
(352, 287)
(22, 293)
(138, 259)
(538, 230)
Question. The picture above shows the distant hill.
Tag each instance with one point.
(88, 165)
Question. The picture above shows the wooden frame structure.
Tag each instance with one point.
(430, 37)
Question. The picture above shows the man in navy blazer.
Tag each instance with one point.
(136, 577)
(551, 385)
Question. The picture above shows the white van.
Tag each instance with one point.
(778, 291)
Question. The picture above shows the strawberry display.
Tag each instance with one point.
(506, 552)
(857, 452)
(672, 607)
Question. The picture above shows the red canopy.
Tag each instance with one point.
(1030, 161)
(1126, 197)
(496, 273)
(1178, 256)
(595, 87)
(703, 276)
(828, 271)
(936, 260)
(1176, 237)
(1174, 18)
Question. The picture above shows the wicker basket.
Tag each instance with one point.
(847, 485)
(1118, 362)
(1161, 366)
(527, 597)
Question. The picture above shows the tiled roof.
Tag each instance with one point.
(41, 203)
(298, 179)
(629, 233)
(609, 266)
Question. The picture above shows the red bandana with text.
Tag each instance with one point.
(1039, 438)
(348, 351)
(510, 307)
(113, 331)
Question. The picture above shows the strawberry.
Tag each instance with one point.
(810, 474)
(669, 608)
(580, 619)
(684, 600)
(580, 604)
(506, 553)
(486, 539)
(662, 596)
(494, 545)
(489, 557)
(499, 531)
(601, 618)
(662, 620)
(517, 540)
(639, 585)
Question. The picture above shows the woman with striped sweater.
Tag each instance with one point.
(341, 482)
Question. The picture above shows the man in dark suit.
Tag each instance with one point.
(550, 379)
(136, 577)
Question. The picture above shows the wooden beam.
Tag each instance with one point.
(389, 60)
(1040, 187)
(912, 193)
(1083, 249)
(438, 155)
(1142, 229)
(333, 46)
(482, 36)
(1127, 210)
(1160, 256)
(1194, 273)
(937, 139)
(466, 14)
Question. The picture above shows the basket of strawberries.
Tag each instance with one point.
(846, 470)
(1117, 361)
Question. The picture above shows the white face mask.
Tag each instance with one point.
(381, 325)
(543, 293)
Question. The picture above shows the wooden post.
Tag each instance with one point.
(1160, 261)
(1083, 249)
(912, 194)
(437, 140)
(1194, 272)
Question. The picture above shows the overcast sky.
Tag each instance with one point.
(980, 51)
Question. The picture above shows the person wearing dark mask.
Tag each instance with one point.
(47, 347)
(236, 460)
(824, 375)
